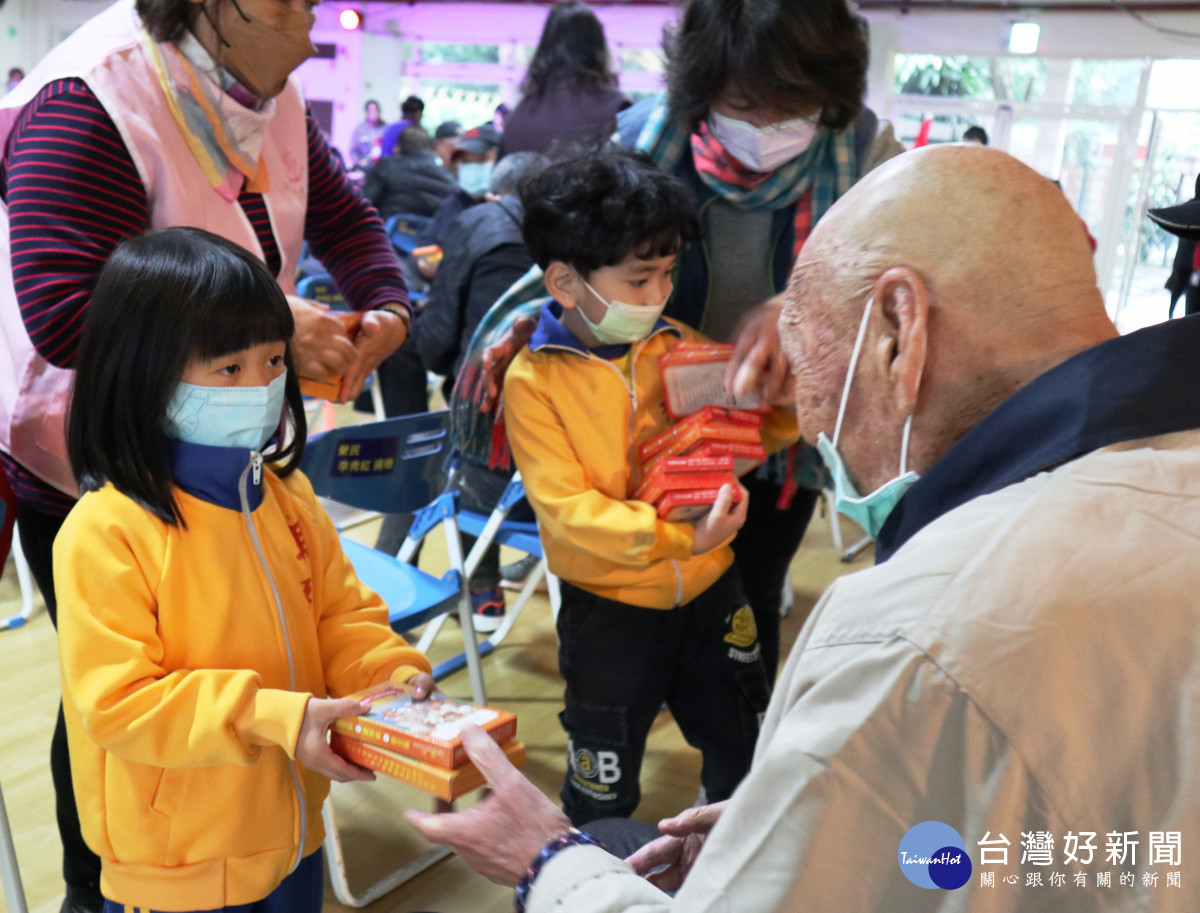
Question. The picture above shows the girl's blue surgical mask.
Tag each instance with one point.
(475, 177)
(868, 511)
(226, 416)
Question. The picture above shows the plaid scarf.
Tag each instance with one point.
(827, 168)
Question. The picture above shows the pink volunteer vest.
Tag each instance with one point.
(107, 54)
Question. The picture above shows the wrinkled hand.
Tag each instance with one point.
(758, 365)
(422, 685)
(499, 355)
(312, 747)
(320, 346)
(379, 335)
(685, 834)
(502, 834)
(722, 522)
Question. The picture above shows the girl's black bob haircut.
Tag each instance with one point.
(782, 55)
(161, 299)
(597, 208)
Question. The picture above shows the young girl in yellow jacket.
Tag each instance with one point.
(207, 613)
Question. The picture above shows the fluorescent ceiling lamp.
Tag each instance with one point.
(1023, 39)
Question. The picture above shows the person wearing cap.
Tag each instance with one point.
(473, 158)
(445, 138)
(1183, 221)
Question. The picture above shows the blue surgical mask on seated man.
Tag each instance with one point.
(763, 148)
(622, 323)
(474, 177)
(868, 511)
(226, 416)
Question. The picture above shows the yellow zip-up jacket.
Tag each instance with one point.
(188, 656)
(575, 422)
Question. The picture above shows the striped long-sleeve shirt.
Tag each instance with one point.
(74, 194)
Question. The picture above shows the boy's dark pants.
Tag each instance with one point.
(622, 662)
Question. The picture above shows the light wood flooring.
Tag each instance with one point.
(522, 676)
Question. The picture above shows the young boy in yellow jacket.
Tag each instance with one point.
(652, 611)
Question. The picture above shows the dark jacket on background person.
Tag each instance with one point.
(412, 184)
(567, 113)
(483, 255)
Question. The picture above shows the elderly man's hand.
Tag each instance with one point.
(758, 365)
(678, 850)
(320, 346)
(499, 355)
(379, 335)
(501, 835)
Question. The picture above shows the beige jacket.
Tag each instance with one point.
(1029, 662)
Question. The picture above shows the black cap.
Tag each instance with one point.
(478, 140)
(449, 129)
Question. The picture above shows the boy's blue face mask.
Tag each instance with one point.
(226, 416)
(868, 511)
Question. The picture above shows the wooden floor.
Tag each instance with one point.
(522, 676)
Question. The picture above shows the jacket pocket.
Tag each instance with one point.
(169, 791)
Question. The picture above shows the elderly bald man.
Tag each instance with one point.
(1006, 709)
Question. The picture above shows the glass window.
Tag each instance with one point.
(443, 52)
(1023, 78)
(1106, 82)
(646, 60)
(469, 103)
(929, 74)
(1173, 85)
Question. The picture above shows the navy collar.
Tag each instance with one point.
(1131, 387)
(211, 474)
(551, 333)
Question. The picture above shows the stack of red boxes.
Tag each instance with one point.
(713, 444)
(688, 463)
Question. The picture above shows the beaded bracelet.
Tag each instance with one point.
(570, 838)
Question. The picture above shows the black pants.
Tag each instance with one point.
(763, 551)
(622, 662)
(81, 867)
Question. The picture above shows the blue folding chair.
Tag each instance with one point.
(403, 230)
(396, 466)
(321, 289)
(495, 528)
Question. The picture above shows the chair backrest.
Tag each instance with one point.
(395, 466)
(320, 288)
(403, 230)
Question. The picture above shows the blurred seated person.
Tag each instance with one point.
(483, 256)
(445, 138)
(411, 182)
(364, 142)
(473, 158)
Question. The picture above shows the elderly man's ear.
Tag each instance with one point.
(902, 298)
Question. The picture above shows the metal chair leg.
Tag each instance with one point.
(10, 874)
(25, 581)
(337, 867)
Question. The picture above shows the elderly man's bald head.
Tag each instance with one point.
(981, 276)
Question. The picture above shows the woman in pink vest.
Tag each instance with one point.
(159, 113)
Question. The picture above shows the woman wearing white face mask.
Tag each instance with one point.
(763, 119)
(153, 114)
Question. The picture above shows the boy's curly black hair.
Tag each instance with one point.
(594, 209)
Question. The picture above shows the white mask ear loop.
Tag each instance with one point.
(904, 445)
(858, 342)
